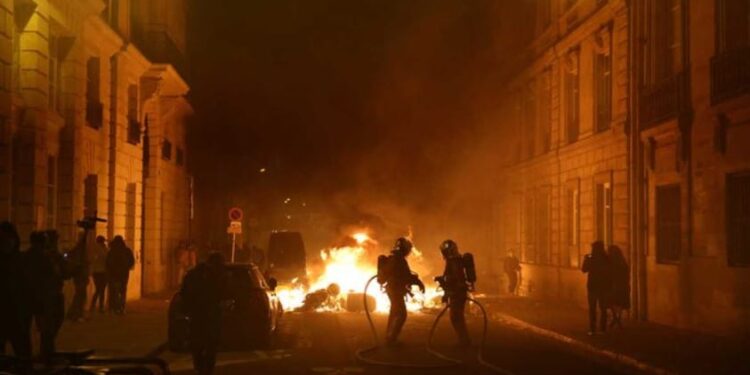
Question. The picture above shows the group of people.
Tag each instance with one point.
(608, 285)
(31, 285)
(457, 280)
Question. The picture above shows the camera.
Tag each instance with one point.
(89, 222)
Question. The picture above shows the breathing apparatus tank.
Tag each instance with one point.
(471, 271)
(383, 269)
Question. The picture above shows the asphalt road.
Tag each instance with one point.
(326, 343)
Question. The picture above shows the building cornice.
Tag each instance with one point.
(171, 83)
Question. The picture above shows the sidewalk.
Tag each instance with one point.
(137, 333)
(649, 347)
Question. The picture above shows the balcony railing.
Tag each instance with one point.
(730, 75)
(94, 114)
(664, 100)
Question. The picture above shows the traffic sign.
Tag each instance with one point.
(235, 214)
(235, 227)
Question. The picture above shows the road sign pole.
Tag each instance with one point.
(234, 245)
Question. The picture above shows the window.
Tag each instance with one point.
(738, 219)
(529, 119)
(166, 150)
(603, 81)
(55, 72)
(51, 192)
(603, 211)
(134, 127)
(572, 96)
(90, 195)
(542, 222)
(529, 254)
(733, 23)
(94, 109)
(130, 207)
(668, 224)
(572, 213)
(664, 49)
(180, 156)
(545, 110)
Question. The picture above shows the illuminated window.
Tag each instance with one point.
(542, 222)
(529, 119)
(55, 72)
(130, 208)
(664, 46)
(603, 211)
(603, 81)
(572, 213)
(572, 96)
(738, 219)
(668, 224)
(545, 110)
(529, 253)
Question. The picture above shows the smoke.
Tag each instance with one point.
(380, 114)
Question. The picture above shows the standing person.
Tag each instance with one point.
(620, 293)
(203, 289)
(99, 273)
(455, 283)
(79, 257)
(46, 270)
(398, 282)
(15, 316)
(512, 268)
(596, 265)
(120, 261)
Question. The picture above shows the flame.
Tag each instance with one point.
(350, 267)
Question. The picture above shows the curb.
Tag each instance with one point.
(583, 346)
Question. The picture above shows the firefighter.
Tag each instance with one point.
(394, 272)
(457, 279)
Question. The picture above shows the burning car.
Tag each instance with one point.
(250, 317)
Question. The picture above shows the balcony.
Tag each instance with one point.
(664, 100)
(94, 114)
(730, 75)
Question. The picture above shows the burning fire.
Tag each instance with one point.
(350, 267)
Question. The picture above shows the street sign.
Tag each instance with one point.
(235, 214)
(235, 227)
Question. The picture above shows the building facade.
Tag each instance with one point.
(693, 161)
(566, 173)
(75, 105)
(630, 125)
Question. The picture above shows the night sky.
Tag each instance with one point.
(342, 100)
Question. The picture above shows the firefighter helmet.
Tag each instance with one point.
(449, 248)
(403, 246)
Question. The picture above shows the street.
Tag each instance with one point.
(326, 343)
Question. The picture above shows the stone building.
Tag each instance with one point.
(566, 170)
(625, 115)
(692, 156)
(77, 98)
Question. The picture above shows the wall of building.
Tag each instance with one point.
(537, 173)
(48, 145)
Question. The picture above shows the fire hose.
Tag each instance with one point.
(450, 361)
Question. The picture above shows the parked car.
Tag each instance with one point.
(286, 256)
(250, 314)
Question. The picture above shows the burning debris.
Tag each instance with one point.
(340, 284)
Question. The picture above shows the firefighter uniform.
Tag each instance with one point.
(398, 279)
(456, 286)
